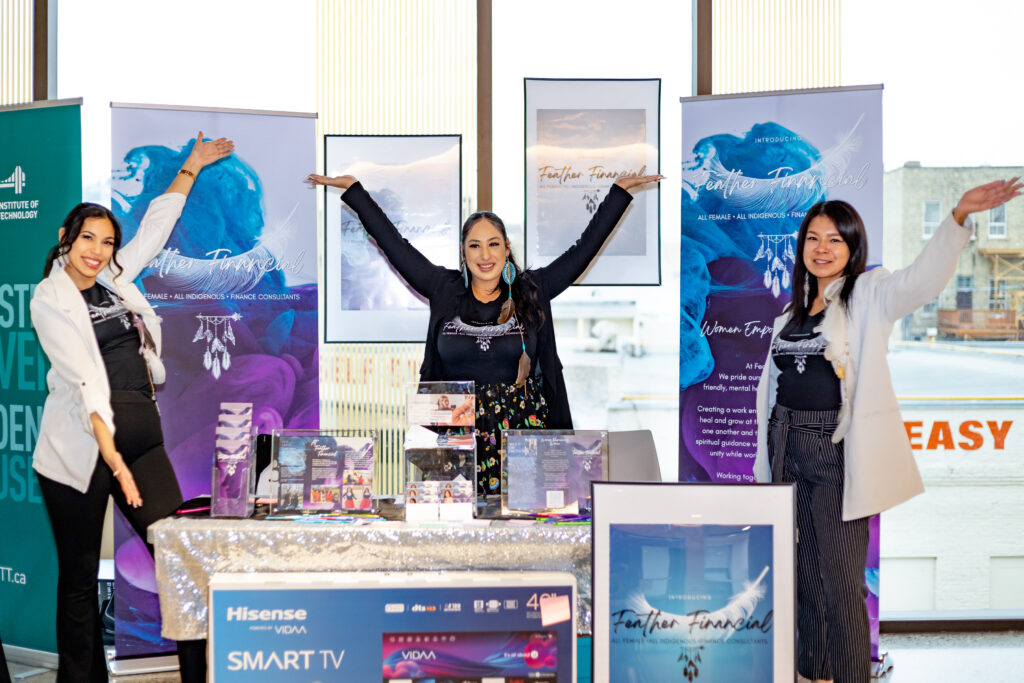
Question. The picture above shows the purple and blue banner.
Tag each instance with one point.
(392, 628)
(752, 167)
(236, 289)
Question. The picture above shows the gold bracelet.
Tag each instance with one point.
(187, 172)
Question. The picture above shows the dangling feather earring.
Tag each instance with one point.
(508, 309)
(465, 274)
(807, 289)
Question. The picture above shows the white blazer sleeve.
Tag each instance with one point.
(154, 231)
(910, 288)
(70, 359)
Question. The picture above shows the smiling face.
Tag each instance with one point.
(485, 250)
(90, 252)
(825, 251)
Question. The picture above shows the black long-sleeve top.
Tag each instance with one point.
(445, 289)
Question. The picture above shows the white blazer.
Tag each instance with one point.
(880, 470)
(66, 449)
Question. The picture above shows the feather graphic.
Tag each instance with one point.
(768, 194)
(767, 278)
(721, 624)
(232, 274)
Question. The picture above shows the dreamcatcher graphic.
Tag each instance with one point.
(777, 250)
(216, 331)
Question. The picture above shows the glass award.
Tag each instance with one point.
(550, 470)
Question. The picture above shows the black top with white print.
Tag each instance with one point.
(807, 381)
(118, 339)
(473, 346)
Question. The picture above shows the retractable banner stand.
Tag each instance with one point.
(752, 167)
(236, 288)
(40, 180)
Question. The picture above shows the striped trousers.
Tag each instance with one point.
(834, 641)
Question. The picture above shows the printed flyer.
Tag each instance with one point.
(550, 471)
(324, 472)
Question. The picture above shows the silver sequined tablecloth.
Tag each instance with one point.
(189, 551)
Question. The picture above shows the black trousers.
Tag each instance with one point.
(834, 641)
(77, 522)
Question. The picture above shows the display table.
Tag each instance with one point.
(189, 551)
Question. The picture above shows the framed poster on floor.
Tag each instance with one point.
(694, 581)
(417, 181)
(581, 135)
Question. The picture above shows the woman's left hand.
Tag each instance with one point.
(629, 182)
(985, 197)
(205, 152)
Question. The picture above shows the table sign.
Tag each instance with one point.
(549, 470)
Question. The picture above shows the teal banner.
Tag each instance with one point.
(40, 180)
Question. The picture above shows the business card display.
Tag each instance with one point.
(440, 436)
(232, 475)
(549, 471)
(462, 626)
(323, 470)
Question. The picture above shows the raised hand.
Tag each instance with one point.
(987, 196)
(629, 182)
(205, 152)
(342, 181)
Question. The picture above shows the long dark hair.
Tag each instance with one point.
(524, 289)
(851, 227)
(73, 227)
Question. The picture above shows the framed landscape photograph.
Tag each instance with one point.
(581, 135)
(417, 181)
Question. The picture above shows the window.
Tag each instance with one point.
(997, 223)
(942, 389)
(932, 218)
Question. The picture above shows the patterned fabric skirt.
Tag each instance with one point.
(498, 407)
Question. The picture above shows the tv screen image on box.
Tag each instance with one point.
(470, 657)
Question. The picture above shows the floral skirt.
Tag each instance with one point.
(498, 407)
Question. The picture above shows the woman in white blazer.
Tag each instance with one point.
(100, 422)
(828, 418)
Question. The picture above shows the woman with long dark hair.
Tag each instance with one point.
(490, 321)
(828, 418)
(100, 431)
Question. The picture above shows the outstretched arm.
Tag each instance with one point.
(575, 260)
(909, 288)
(415, 268)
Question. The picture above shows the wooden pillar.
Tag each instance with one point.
(702, 46)
(484, 155)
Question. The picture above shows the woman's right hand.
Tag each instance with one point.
(985, 197)
(127, 481)
(342, 181)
